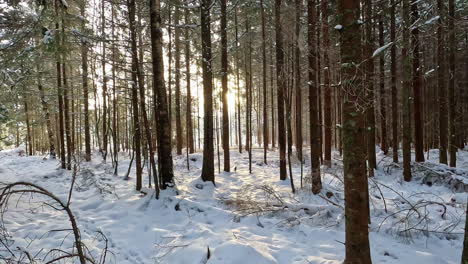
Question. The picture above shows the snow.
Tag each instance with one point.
(181, 228)
(338, 27)
(381, 49)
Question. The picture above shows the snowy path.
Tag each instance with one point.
(143, 230)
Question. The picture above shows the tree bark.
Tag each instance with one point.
(417, 97)
(453, 131)
(281, 85)
(166, 172)
(405, 91)
(354, 147)
(179, 138)
(442, 95)
(327, 103)
(224, 83)
(393, 82)
(208, 148)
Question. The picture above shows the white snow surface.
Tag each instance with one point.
(141, 229)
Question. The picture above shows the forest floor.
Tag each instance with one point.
(246, 218)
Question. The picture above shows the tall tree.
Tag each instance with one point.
(208, 148)
(264, 83)
(369, 88)
(383, 105)
(224, 83)
(453, 133)
(313, 99)
(161, 110)
(104, 82)
(393, 82)
(417, 97)
(188, 117)
(354, 147)
(177, 81)
(84, 74)
(442, 95)
(327, 103)
(298, 84)
(281, 85)
(405, 91)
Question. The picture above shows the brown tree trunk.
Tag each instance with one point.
(84, 74)
(298, 92)
(393, 82)
(137, 72)
(354, 147)
(67, 115)
(239, 123)
(327, 104)
(405, 91)
(166, 172)
(453, 131)
(369, 88)
(313, 99)
(417, 97)
(442, 96)
(104, 85)
(281, 85)
(224, 83)
(264, 83)
(189, 122)
(383, 105)
(177, 83)
(208, 149)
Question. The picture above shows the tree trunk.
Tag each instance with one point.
(369, 88)
(405, 91)
(264, 83)
(383, 105)
(281, 85)
(239, 123)
(137, 72)
(327, 104)
(393, 82)
(188, 117)
(160, 98)
(177, 82)
(298, 83)
(313, 99)
(354, 147)
(453, 131)
(417, 97)
(224, 82)
(84, 74)
(208, 149)
(104, 85)
(443, 122)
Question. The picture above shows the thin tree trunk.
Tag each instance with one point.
(281, 85)
(369, 88)
(298, 83)
(239, 123)
(383, 105)
(179, 138)
(264, 83)
(104, 85)
(393, 82)
(327, 103)
(417, 97)
(313, 99)
(189, 122)
(84, 74)
(405, 91)
(224, 82)
(453, 133)
(443, 121)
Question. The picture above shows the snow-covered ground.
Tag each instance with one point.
(246, 218)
